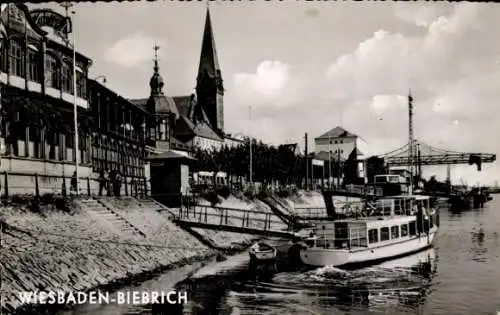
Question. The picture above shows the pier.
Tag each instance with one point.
(246, 221)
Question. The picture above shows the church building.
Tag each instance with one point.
(185, 122)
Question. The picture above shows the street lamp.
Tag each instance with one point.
(103, 77)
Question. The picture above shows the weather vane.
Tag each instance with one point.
(156, 48)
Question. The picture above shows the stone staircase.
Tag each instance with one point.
(119, 223)
(154, 205)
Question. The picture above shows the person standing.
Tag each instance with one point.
(73, 182)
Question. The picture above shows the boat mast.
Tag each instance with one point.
(410, 141)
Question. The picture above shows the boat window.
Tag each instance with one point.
(359, 242)
(408, 205)
(357, 237)
(395, 231)
(404, 230)
(373, 236)
(380, 179)
(384, 234)
(413, 228)
(398, 206)
(394, 179)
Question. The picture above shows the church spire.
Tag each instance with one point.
(209, 63)
(156, 83)
(209, 83)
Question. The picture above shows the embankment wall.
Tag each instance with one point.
(54, 250)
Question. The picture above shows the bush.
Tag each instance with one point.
(283, 193)
(264, 194)
(65, 204)
(212, 197)
(224, 192)
(249, 193)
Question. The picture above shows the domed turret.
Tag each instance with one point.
(156, 83)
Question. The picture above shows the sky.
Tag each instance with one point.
(311, 66)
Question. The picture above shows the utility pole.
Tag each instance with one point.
(307, 161)
(66, 6)
(250, 166)
(329, 162)
(410, 140)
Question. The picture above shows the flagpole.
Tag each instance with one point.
(75, 112)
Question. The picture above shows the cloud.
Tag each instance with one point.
(418, 13)
(131, 51)
(451, 68)
(268, 83)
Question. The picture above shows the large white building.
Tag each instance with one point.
(339, 142)
(339, 139)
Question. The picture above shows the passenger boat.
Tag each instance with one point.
(393, 226)
(262, 252)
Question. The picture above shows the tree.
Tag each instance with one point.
(375, 166)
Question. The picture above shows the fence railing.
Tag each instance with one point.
(16, 183)
(231, 217)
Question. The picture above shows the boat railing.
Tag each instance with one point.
(354, 237)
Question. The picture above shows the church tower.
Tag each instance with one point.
(209, 85)
(161, 106)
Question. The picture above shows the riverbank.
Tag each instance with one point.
(105, 243)
(84, 248)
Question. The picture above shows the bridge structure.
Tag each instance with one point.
(425, 154)
(247, 221)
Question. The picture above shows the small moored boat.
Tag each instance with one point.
(262, 252)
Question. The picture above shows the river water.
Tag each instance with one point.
(460, 275)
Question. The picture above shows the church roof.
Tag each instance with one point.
(185, 105)
(208, 58)
(201, 129)
(337, 132)
(164, 104)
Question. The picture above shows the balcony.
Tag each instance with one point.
(31, 86)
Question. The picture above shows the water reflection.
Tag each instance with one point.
(404, 281)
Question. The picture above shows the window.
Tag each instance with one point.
(335, 141)
(4, 59)
(395, 231)
(413, 228)
(404, 230)
(341, 141)
(33, 66)
(373, 236)
(51, 75)
(384, 234)
(81, 84)
(67, 78)
(16, 59)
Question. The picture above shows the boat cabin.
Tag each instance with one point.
(392, 220)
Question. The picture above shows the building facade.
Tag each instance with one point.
(37, 103)
(195, 120)
(339, 142)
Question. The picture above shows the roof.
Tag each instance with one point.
(169, 155)
(337, 132)
(164, 104)
(139, 102)
(185, 105)
(97, 84)
(208, 57)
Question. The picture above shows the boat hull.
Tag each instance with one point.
(319, 257)
(263, 256)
